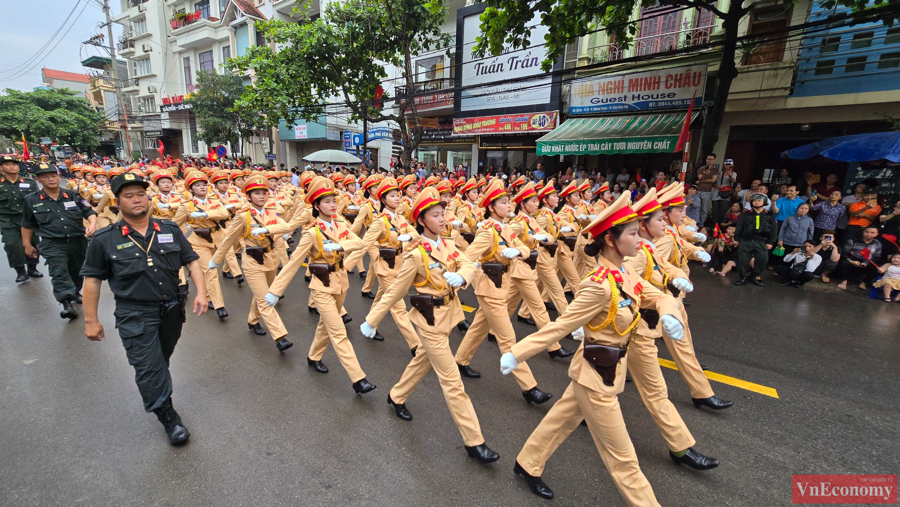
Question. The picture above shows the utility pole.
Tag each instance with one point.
(120, 107)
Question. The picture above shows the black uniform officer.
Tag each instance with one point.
(13, 189)
(58, 217)
(141, 258)
(756, 232)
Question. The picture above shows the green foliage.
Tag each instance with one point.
(339, 55)
(213, 103)
(54, 113)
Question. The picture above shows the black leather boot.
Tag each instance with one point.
(68, 311)
(227, 275)
(535, 395)
(346, 318)
(21, 275)
(482, 453)
(34, 273)
(694, 460)
(535, 484)
(370, 295)
(400, 409)
(210, 306)
(239, 279)
(257, 329)
(562, 353)
(528, 321)
(713, 402)
(466, 371)
(222, 313)
(318, 365)
(362, 274)
(283, 344)
(363, 386)
(171, 421)
(463, 326)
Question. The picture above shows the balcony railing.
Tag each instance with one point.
(135, 3)
(652, 44)
(125, 45)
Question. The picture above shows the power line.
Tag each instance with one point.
(54, 46)
(41, 49)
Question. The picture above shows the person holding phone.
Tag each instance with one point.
(862, 214)
(830, 254)
(706, 178)
(829, 209)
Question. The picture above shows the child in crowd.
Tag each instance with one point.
(891, 279)
(693, 204)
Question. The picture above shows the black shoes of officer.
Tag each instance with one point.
(222, 313)
(256, 328)
(239, 279)
(413, 350)
(307, 278)
(362, 274)
(363, 386)
(210, 305)
(68, 311)
(713, 402)
(482, 453)
(34, 273)
(318, 365)
(346, 318)
(491, 338)
(694, 460)
(562, 353)
(21, 275)
(171, 421)
(227, 275)
(78, 298)
(400, 409)
(283, 344)
(757, 282)
(549, 306)
(535, 484)
(466, 371)
(370, 295)
(463, 326)
(528, 320)
(743, 281)
(313, 309)
(535, 395)
(378, 337)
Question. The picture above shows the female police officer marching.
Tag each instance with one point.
(436, 268)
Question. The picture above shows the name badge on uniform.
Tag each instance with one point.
(625, 302)
(164, 238)
(124, 245)
(70, 204)
(434, 265)
(24, 185)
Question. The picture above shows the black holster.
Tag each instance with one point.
(604, 360)
(651, 317)
(531, 260)
(570, 242)
(204, 233)
(494, 271)
(389, 255)
(468, 236)
(551, 248)
(350, 218)
(424, 305)
(258, 253)
(114, 209)
(675, 292)
(322, 272)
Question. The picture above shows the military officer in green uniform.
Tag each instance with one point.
(58, 216)
(13, 189)
(141, 259)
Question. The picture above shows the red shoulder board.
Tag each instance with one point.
(512, 237)
(125, 230)
(412, 246)
(214, 206)
(454, 255)
(498, 227)
(648, 248)
(617, 276)
(272, 222)
(345, 234)
(487, 225)
(309, 226)
(427, 246)
(600, 275)
(638, 288)
(156, 227)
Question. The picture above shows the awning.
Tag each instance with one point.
(646, 133)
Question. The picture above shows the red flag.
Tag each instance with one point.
(717, 232)
(161, 147)
(891, 238)
(25, 154)
(379, 93)
(686, 128)
(867, 255)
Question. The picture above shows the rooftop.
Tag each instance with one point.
(65, 76)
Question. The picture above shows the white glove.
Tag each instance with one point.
(286, 237)
(404, 237)
(683, 284)
(212, 265)
(271, 299)
(541, 237)
(354, 208)
(592, 217)
(699, 237)
(690, 228)
(672, 327)
(367, 330)
(510, 253)
(198, 214)
(479, 224)
(278, 201)
(98, 196)
(456, 223)
(703, 256)
(578, 334)
(508, 363)
(162, 205)
(259, 231)
(229, 206)
(582, 217)
(454, 279)
(332, 247)
(565, 229)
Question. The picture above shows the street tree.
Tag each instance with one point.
(213, 103)
(59, 114)
(507, 22)
(342, 54)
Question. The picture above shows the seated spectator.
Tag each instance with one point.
(616, 191)
(862, 214)
(830, 254)
(855, 264)
(891, 279)
(829, 211)
(800, 265)
(890, 226)
(723, 251)
(734, 213)
(796, 230)
(830, 185)
(623, 178)
(693, 204)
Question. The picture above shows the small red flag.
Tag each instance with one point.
(686, 128)
(717, 232)
(161, 147)
(25, 154)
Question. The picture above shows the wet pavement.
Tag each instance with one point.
(268, 430)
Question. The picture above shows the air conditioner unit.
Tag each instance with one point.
(146, 48)
(141, 8)
(151, 89)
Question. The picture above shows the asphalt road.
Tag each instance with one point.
(267, 430)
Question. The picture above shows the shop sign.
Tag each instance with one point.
(642, 91)
(506, 124)
(300, 132)
(516, 141)
(650, 144)
(433, 101)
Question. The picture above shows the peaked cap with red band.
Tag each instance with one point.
(494, 191)
(527, 192)
(256, 182)
(672, 195)
(547, 190)
(468, 185)
(647, 204)
(385, 186)
(617, 213)
(218, 176)
(570, 189)
(193, 177)
(407, 180)
(318, 188)
(427, 198)
(444, 186)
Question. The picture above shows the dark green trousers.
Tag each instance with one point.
(64, 259)
(149, 341)
(752, 249)
(11, 235)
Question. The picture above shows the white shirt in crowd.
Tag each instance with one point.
(798, 258)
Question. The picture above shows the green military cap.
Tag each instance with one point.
(8, 158)
(43, 168)
(123, 180)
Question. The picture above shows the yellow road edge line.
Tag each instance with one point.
(725, 379)
(468, 309)
(304, 264)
